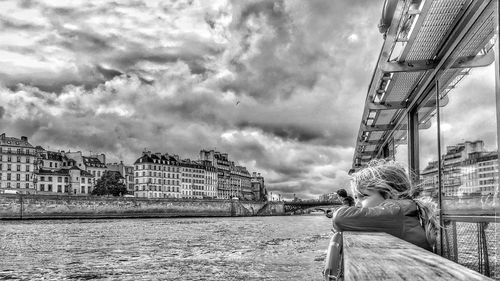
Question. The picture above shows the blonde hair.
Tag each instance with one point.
(390, 179)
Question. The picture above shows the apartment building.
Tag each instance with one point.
(17, 164)
(157, 176)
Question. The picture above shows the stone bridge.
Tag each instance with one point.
(293, 206)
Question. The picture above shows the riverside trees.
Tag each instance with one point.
(110, 183)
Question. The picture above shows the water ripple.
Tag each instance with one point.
(259, 248)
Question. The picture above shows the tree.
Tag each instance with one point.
(110, 183)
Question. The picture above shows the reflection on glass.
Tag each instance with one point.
(469, 165)
(469, 148)
(428, 148)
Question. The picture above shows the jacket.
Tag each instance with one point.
(396, 217)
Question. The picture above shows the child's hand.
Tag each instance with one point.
(329, 214)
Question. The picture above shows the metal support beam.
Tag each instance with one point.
(424, 65)
(385, 52)
(399, 105)
(413, 144)
(497, 74)
(384, 127)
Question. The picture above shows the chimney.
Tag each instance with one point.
(23, 138)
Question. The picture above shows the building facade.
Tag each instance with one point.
(258, 187)
(192, 179)
(468, 169)
(57, 174)
(17, 164)
(157, 176)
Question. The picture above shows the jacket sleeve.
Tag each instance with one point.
(382, 218)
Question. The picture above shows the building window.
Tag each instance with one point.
(9, 167)
(27, 185)
(28, 177)
(55, 164)
(18, 167)
(50, 178)
(65, 189)
(59, 179)
(18, 158)
(59, 188)
(50, 164)
(27, 168)
(42, 178)
(42, 187)
(18, 177)
(9, 158)
(83, 189)
(49, 187)
(18, 185)
(65, 179)
(83, 180)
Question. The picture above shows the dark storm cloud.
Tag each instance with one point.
(18, 25)
(286, 131)
(85, 41)
(108, 73)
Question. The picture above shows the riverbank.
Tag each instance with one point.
(28, 207)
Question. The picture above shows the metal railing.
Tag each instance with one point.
(473, 241)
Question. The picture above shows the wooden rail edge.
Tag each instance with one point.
(380, 256)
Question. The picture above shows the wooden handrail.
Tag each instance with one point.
(380, 256)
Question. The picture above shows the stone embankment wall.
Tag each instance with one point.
(14, 206)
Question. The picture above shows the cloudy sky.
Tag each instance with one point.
(279, 85)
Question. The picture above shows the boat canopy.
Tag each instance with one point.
(425, 41)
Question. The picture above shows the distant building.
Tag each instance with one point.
(17, 164)
(329, 197)
(57, 174)
(221, 163)
(157, 176)
(93, 164)
(233, 180)
(193, 179)
(242, 182)
(467, 170)
(258, 187)
(211, 179)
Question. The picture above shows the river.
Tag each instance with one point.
(242, 248)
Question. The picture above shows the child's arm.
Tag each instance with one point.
(382, 218)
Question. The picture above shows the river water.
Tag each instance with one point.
(250, 248)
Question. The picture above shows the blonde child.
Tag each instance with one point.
(386, 202)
